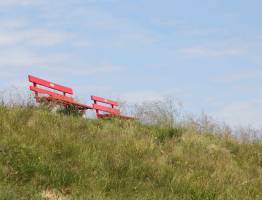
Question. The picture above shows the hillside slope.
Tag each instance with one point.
(50, 156)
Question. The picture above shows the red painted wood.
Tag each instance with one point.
(103, 100)
(84, 106)
(112, 115)
(105, 115)
(49, 84)
(111, 110)
(52, 94)
(58, 97)
(106, 109)
(55, 99)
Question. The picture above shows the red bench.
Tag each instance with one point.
(58, 93)
(107, 107)
(52, 92)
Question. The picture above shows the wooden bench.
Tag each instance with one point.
(107, 107)
(58, 93)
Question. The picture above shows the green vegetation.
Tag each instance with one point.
(53, 156)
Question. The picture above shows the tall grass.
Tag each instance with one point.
(163, 113)
(46, 155)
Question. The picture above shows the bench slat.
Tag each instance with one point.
(113, 115)
(106, 109)
(105, 115)
(52, 94)
(77, 104)
(103, 100)
(49, 84)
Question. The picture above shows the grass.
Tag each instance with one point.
(53, 156)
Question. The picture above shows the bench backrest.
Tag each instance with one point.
(56, 88)
(110, 108)
(38, 81)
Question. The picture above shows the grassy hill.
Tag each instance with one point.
(51, 156)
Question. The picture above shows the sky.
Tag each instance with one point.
(207, 54)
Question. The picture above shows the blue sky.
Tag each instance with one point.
(205, 53)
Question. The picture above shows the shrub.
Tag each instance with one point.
(164, 113)
(61, 108)
(162, 134)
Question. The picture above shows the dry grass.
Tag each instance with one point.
(51, 156)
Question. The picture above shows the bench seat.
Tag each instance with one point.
(80, 106)
(114, 116)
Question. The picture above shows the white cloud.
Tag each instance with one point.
(33, 37)
(85, 70)
(18, 56)
(45, 37)
(212, 52)
(17, 2)
(241, 113)
(134, 38)
(121, 31)
(239, 75)
(258, 59)
(167, 22)
(141, 96)
(12, 24)
(21, 44)
(21, 57)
